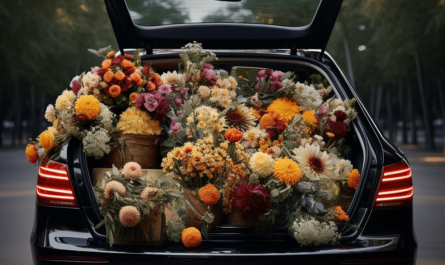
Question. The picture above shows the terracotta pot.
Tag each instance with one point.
(152, 223)
(142, 149)
(195, 216)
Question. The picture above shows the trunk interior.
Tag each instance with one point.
(277, 237)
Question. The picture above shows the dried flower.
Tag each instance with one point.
(287, 171)
(353, 178)
(233, 135)
(106, 63)
(340, 215)
(134, 96)
(87, 105)
(151, 194)
(314, 163)
(262, 164)
(114, 91)
(31, 154)
(132, 170)
(191, 237)
(209, 194)
(114, 186)
(288, 108)
(136, 121)
(252, 200)
(129, 216)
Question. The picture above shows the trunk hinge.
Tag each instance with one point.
(321, 55)
(293, 50)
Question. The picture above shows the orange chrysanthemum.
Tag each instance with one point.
(46, 140)
(88, 105)
(134, 96)
(191, 237)
(256, 114)
(140, 82)
(135, 77)
(127, 64)
(114, 91)
(209, 194)
(106, 64)
(155, 79)
(108, 76)
(233, 135)
(119, 75)
(110, 54)
(287, 171)
(31, 154)
(340, 215)
(150, 86)
(309, 117)
(267, 121)
(288, 108)
(353, 178)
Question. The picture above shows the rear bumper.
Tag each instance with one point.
(61, 233)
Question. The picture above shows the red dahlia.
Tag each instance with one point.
(340, 115)
(252, 200)
(117, 60)
(146, 69)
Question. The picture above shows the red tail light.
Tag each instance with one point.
(396, 187)
(54, 186)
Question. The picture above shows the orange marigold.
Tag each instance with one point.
(150, 86)
(286, 107)
(31, 154)
(134, 96)
(114, 91)
(309, 117)
(287, 171)
(340, 214)
(233, 135)
(110, 54)
(127, 64)
(88, 105)
(135, 77)
(191, 237)
(155, 79)
(353, 178)
(209, 194)
(256, 114)
(46, 140)
(106, 63)
(280, 138)
(108, 76)
(119, 75)
(267, 121)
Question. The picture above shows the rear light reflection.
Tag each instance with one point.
(73, 259)
(54, 186)
(396, 188)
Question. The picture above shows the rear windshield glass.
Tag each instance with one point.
(292, 13)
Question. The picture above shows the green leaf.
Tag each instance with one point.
(100, 224)
(205, 231)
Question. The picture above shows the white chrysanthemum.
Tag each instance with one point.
(314, 163)
(342, 168)
(308, 231)
(261, 164)
(95, 142)
(106, 117)
(50, 114)
(91, 80)
(173, 79)
(308, 96)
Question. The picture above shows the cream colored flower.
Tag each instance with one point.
(63, 103)
(314, 163)
(172, 79)
(262, 164)
(132, 170)
(50, 113)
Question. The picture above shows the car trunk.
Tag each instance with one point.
(277, 238)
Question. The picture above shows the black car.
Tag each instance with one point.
(381, 210)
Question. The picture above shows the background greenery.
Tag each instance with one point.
(377, 42)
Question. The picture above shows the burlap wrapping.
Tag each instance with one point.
(142, 149)
(195, 216)
(157, 228)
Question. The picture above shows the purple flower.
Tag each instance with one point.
(178, 102)
(277, 84)
(184, 90)
(150, 102)
(208, 74)
(175, 126)
(140, 100)
(164, 89)
(261, 73)
(276, 75)
(322, 110)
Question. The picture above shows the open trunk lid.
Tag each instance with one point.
(234, 24)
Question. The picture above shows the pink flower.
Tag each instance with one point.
(164, 89)
(140, 100)
(175, 126)
(150, 102)
(208, 74)
(132, 170)
(207, 65)
(277, 85)
(178, 102)
(184, 90)
(276, 75)
(187, 78)
(261, 73)
(269, 71)
(323, 110)
(258, 86)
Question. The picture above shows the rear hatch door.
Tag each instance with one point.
(231, 24)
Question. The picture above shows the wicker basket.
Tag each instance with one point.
(142, 149)
(153, 224)
(200, 209)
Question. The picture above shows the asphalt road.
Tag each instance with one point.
(17, 198)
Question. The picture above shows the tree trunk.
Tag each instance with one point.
(378, 103)
(372, 101)
(402, 114)
(442, 107)
(41, 118)
(18, 117)
(389, 117)
(79, 60)
(412, 118)
(428, 132)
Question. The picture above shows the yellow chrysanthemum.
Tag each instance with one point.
(88, 105)
(69, 95)
(287, 171)
(309, 117)
(136, 121)
(53, 130)
(46, 140)
(287, 107)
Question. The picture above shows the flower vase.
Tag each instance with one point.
(195, 216)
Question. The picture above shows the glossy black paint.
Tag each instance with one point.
(223, 35)
(384, 233)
